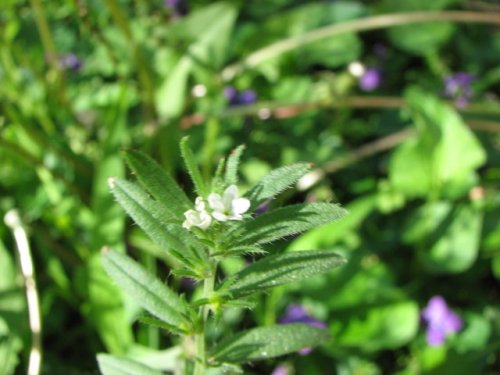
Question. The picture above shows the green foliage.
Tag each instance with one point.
(148, 291)
(285, 221)
(159, 184)
(113, 365)
(267, 342)
(192, 168)
(280, 269)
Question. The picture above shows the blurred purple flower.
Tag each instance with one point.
(441, 321)
(380, 50)
(178, 7)
(296, 313)
(371, 79)
(458, 87)
(281, 370)
(239, 98)
(70, 61)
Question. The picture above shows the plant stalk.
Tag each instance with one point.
(200, 338)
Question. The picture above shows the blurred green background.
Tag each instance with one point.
(400, 117)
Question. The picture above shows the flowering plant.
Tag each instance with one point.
(199, 236)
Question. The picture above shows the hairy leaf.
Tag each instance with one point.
(147, 291)
(284, 222)
(113, 365)
(277, 181)
(148, 216)
(232, 164)
(267, 342)
(157, 182)
(192, 167)
(280, 269)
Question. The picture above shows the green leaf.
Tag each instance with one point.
(277, 181)
(157, 182)
(448, 236)
(425, 38)
(281, 269)
(193, 169)
(267, 342)
(233, 161)
(284, 222)
(146, 290)
(149, 216)
(443, 158)
(114, 365)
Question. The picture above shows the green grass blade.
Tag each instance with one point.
(157, 182)
(193, 170)
(149, 292)
(267, 342)
(281, 269)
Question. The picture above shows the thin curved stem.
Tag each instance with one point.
(364, 24)
(13, 221)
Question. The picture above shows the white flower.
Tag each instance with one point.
(197, 218)
(229, 206)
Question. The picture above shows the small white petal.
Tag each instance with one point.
(215, 202)
(199, 204)
(219, 216)
(230, 194)
(205, 220)
(235, 217)
(240, 205)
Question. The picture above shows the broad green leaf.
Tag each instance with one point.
(281, 269)
(286, 221)
(171, 95)
(114, 365)
(267, 342)
(160, 184)
(423, 38)
(192, 167)
(447, 236)
(442, 158)
(377, 326)
(149, 216)
(277, 181)
(146, 290)
(232, 164)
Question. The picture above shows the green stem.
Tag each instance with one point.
(364, 24)
(200, 338)
(144, 74)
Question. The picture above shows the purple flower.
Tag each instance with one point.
(239, 98)
(297, 314)
(281, 370)
(70, 61)
(458, 87)
(371, 79)
(441, 321)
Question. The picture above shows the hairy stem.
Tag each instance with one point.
(200, 354)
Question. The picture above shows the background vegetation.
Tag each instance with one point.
(395, 102)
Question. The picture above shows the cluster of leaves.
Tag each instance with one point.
(419, 176)
(198, 252)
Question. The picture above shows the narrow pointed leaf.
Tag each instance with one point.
(268, 342)
(232, 165)
(285, 221)
(280, 269)
(147, 215)
(277, 181)
(149, 292)
(193, 169)
(158, 183)
(113, 365)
